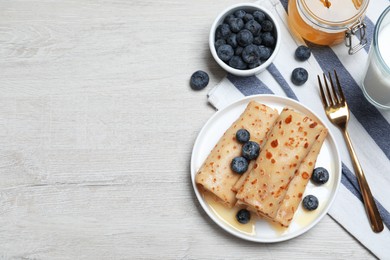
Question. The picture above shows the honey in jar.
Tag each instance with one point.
(329, 22)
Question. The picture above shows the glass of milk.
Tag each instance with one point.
(376, 83)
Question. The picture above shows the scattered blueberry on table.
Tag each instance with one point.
(243, 135)
(239, 165)
(250, 150)
(310, 202)
(241, 29)
(320, 175)
(302, 53)
(299, 76)
(199, 80)
(243, 216)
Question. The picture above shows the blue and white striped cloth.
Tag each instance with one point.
(369, 127)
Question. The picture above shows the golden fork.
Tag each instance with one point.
(337, 111)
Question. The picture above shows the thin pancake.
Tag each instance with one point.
(215, 175)
(298, 184)
(288, 144)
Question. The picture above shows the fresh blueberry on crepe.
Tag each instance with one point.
(243, 136)
(250, 150)
(239, 165)
(199, 80)
(299, 76)
(302, 53)
(320, 175)
(243, 216)
(310, 202)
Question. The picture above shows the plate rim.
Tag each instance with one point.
(260, 98)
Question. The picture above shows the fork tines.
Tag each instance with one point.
(331, 97)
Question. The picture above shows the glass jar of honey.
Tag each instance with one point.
(329, 22)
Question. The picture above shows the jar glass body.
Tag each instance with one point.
(320, 24)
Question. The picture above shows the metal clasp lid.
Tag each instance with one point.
(358, 29)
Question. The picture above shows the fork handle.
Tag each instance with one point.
(369, 203)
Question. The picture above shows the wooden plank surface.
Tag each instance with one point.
(97, 123)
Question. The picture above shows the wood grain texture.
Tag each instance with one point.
(97, 123)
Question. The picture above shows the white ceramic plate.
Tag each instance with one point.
(263, 231)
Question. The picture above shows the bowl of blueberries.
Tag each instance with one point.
(244, 39)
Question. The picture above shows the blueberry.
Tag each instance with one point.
(239, 165)
(302, 53)
(228, 18)
(320, 175)
(244, 37)
(237, 63)
(223, 31)
(257, 40)
(236, 24)
(251, 54)
(199, 80)
(259, 16)
(238, 50)
(265, 52)
(243, 216)
(254, 65)
(232, 40)
(225, 52)
(250, 150)
(219, 42)
(268, 39)
(299, 76)
(243, 135)
(254, 27)
(267, 26)
(240, 13)
(248, 17)
(310, 202)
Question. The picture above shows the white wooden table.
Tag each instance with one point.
(97, 124)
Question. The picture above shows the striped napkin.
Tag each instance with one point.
(369, 127)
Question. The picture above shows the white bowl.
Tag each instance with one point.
(219, 20)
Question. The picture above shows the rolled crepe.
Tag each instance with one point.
(298, 184)
(215, 174)
(289, 142)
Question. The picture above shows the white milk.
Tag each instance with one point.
(376, 83)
